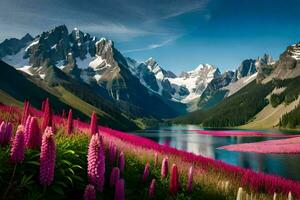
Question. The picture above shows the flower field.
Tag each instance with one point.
(47, 156)
(280, 146)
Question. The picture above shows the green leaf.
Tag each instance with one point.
(69, 152)
(33, 163)
(71, 170)
(58, 189)
(67, 162)
(77, 166)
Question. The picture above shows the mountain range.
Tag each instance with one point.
(92, 71)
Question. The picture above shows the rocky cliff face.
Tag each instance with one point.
(288, 66)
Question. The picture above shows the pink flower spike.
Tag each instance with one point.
(121, 162)
(93, 125)
(70, 122)
(189, 186)
(114, 176)
(119, 192)
(146, 172)
(89, 193)
(96, 162)
(18, 146)
(164, 168)
(174, 180)
(33, 137)
(47, 158)
(151, 192)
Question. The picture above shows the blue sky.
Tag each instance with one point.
(179, 34)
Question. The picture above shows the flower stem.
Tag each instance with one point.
(10, 182)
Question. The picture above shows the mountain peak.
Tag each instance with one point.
(27, 38)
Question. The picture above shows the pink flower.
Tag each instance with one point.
(26, 128)
(89, 193)
(25, 112)
(47, 158)
(5, 133)
(121, 162)
(96, 162)
(119, 192)
(174, 180)
(189, 186)
(112, 153)
(47, 116)
(114, 176)
(70, 122)
(93, 125)
(33, 137)
(151, 192)
(146, 172)
(164, 168)
(18, 146)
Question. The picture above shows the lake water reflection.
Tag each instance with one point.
(181, 137)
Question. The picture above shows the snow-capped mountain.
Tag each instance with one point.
(195, 81)
(184, 88)
(56, 55)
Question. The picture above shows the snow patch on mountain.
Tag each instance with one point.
(295, 51)
(17, 60)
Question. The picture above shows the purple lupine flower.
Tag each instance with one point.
(119, 192)
(114, 176)
(89, 193)
(121, 162)
(174, 180)
(189, 186)
(26, 128)
(96, 162)
(25, 112)
(47, 158)
(47, 116)
(151, 192)
(112, 153)
(5, 133)
(146, 172)
(70, 122)
(2, 132)
(93, 125)
(33, 137)
(18, 146)
(164, 167)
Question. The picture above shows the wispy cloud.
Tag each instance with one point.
(153, 46)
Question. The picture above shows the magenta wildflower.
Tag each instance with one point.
(96, 162)
(2, 133)
(151, 192)
(164, 167)
(121, 162)
(5, 133)
(93, 125)
(89, 193)
(189, 186)
(174, 180)
(33, 137)
(25, 112)
(146, 172)
(112, 153)
(26, 128)
(119, 192)
(114, 176)
(70, 122)
(47, 116)
(47, 158)
(18, 146)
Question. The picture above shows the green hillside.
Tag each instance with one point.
(16, 87)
